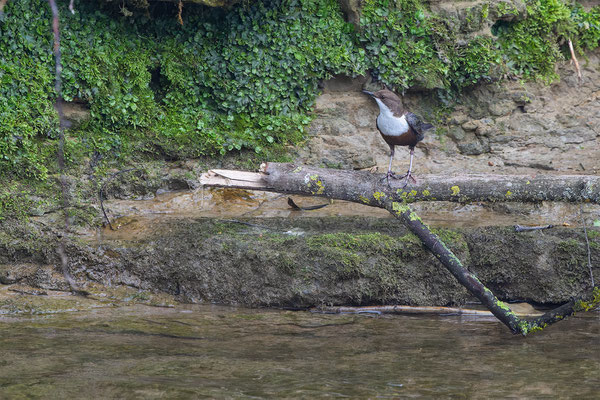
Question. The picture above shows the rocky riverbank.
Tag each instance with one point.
(270, 257)
(296, 262)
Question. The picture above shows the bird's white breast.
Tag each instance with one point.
(388, 124)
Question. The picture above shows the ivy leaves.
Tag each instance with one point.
(259, 65)
(407, 46)
(241, 78)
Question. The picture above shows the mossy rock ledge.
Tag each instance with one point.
(304, 262)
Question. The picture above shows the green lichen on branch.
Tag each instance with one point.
(379, 196)
(315, 185)
(527, 327)
(582, 305)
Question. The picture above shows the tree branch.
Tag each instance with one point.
(366, 188)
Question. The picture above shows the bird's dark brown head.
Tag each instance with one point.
(389, 98)
(384, 95)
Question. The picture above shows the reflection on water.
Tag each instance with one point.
(217, 352)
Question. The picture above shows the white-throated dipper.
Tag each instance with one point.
(398, 127)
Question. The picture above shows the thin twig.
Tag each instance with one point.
(63, 123)
(575, 61)
(180, 9)
(587, 242)
(295, 206)
(101, 193)
(401, 309)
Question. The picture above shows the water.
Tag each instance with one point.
(217, 352)
(235, 203)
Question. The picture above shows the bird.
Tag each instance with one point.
(398, 127)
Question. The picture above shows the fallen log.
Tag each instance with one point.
(367, 188)
(370, 189)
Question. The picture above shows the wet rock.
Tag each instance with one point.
(342, 83)
(508, 10)
(339, 127)
(457, 133)
(459, 118)
(351, 10)
(363, 118)
(469, 125)
(477, 17)
(13, 273)
(358, 261)
(474, 147)
(503, 107)
(48, 277)
(520, 97)
(76, 113)
(485, 127)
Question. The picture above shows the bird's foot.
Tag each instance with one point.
(407, 178)
(389, 175)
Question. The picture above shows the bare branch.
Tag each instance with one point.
(359, 186)
(398, 309)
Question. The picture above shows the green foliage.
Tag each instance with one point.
(14, 202)
(397, 40)
(227, 80)
(26, 80)
(587, 25)
(407, 46)
(531, 47)
(254, 71)
(242, 78)
(474, 62)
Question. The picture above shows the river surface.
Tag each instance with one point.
(192, 351)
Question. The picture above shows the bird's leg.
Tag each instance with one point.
(390, 174)
(408, 177)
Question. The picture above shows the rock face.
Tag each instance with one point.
(306, 262)
(477, 17)
(509, 128)
(342, 135)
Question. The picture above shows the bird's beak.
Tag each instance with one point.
(367, 92)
